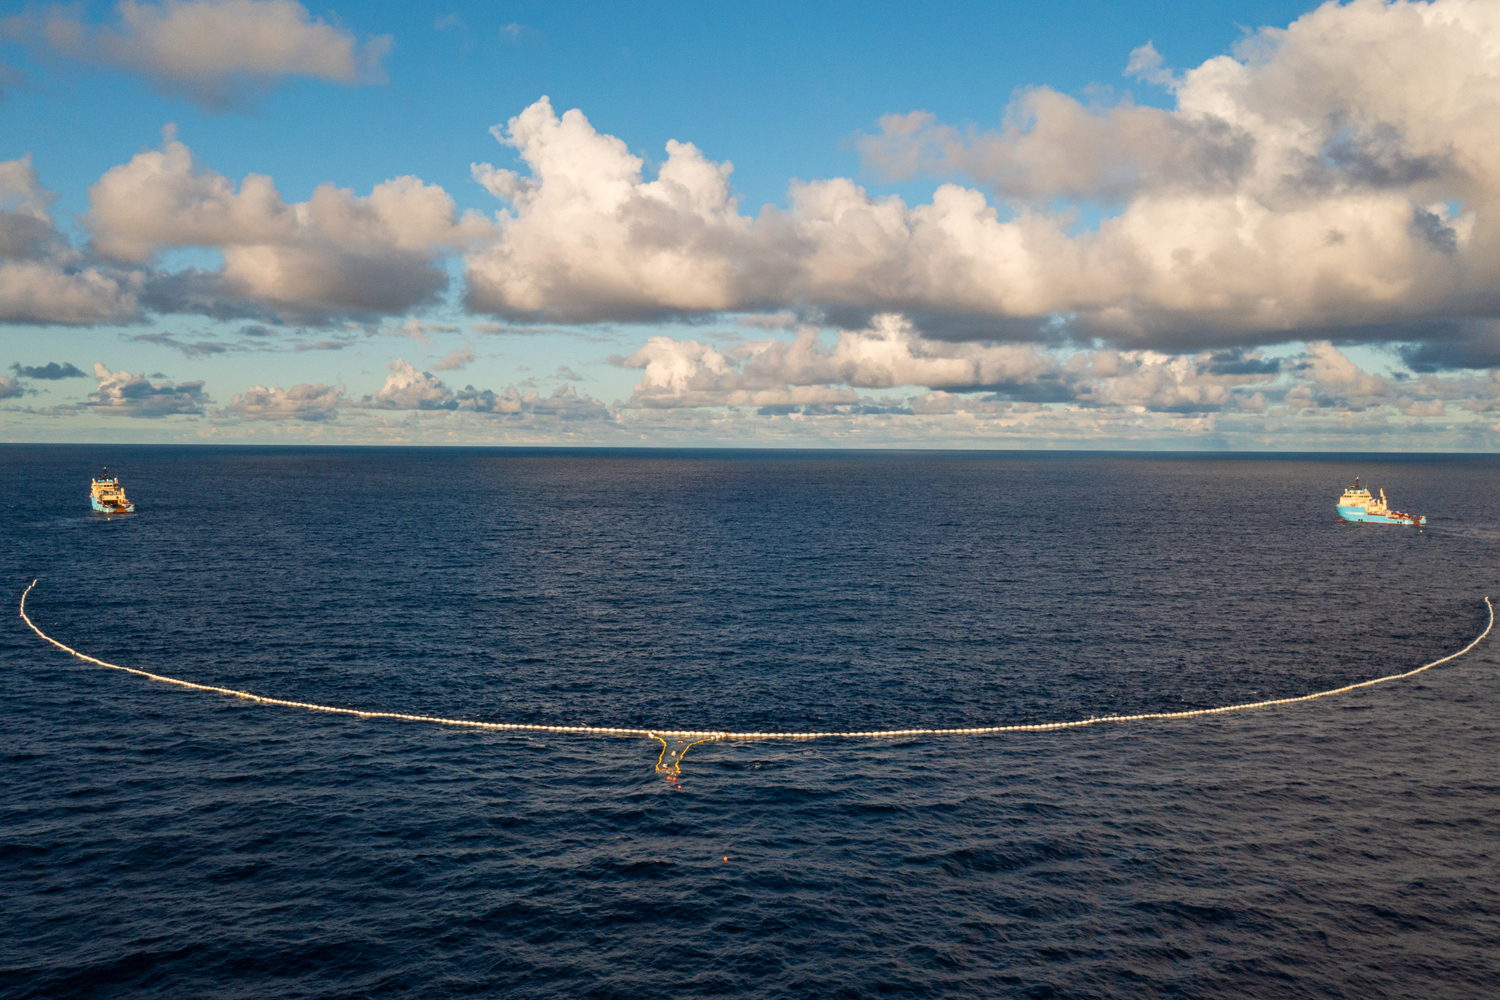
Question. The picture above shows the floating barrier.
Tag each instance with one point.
(670, 760)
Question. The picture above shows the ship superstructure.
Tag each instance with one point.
(108, 497)
(1357, 504)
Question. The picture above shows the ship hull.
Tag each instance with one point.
(1360, 514)
(106, 509)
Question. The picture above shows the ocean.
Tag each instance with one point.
(156, 841)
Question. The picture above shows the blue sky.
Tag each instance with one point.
(775, 87)
(1080, 257)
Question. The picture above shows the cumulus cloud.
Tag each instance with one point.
(336, 254)
(1327, 375)
(1332, 174)
(775, 372)
(1146, 64)
(456, 359)
(50, 371)
(121, 394)
(1337, 178)
(564, 403)
(590, 239)
(300, 402)
(50, 292)
(219, 53)
(10, 388)
(891, 353)
(1051, 146)
(406, 388)
(42, 278)
(810, 375)
(684, 373)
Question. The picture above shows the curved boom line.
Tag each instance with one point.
(725, 735)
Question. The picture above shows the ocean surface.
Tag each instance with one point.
(156, 841)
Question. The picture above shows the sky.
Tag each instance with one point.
(1215, 225)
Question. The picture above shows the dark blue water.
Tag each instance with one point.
(156, 841)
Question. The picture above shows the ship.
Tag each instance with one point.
(1358, 505)
(108, 497)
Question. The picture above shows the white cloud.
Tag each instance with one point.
(216, 52)
(1305, 184)
(817, 376)
(891, 354)
(1327, 375)
(682, 373)
(406, 388)
(456, 360)
(22, 197)
(1158, 382)
(11, 388)
(590, 239)
(49, 292)
(1146, 64)
(423, 332)
(335, 254)
(122, 394)
(1052, 146)
(300, 402)
(564, 403)
(42, 278)
(1420, 408)
(1339, 175)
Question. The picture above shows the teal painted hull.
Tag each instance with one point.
(1360, 514)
